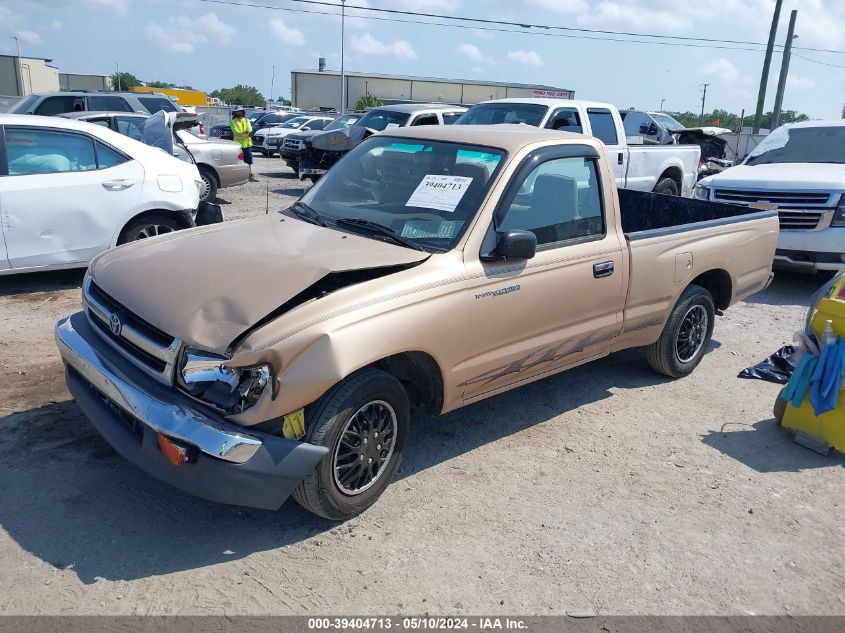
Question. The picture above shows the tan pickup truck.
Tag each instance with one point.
(431, 267)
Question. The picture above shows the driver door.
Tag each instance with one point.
(561, 307)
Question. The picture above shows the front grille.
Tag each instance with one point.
(146, 346)
(293, 144)
(794, 220)
(258, 139)
(783, 199)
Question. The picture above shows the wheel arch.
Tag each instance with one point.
(421, 376)
(719, 284)
(211, 170)
(676, 174)
(179, 216)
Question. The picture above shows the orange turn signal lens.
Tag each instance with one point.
(174, 453)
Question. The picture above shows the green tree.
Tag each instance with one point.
(368, 101)
(723, 118)
(164, 84)
(124, 81)
(240, 95)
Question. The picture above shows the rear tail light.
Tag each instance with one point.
(202, 129)
(240, 155)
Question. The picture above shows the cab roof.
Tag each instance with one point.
(508, 137)
(555, 103)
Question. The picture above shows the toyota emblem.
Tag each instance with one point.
(115, 325)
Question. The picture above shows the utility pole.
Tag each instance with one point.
(342, 57)
(117, 74)
(20, 68)
(784, 69)
(272, 81)
(703, 99)
(767, 62)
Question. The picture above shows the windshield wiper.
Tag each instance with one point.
(304, 212)
(382, 230)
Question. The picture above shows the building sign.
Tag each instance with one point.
(551, 94)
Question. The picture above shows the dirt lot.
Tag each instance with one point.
(607, 487)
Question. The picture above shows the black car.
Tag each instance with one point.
(294, 144)
(222, 132)
(258, 119)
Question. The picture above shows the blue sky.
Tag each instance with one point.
(212, 45)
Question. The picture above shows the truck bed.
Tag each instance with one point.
(651, 214)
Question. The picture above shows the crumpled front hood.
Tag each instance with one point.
(783, 177)
(207, 286)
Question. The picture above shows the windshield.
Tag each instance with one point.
(494, 113)
(667, 122)
(295, 123)
(342, 122)
(22, 107)
(424, 191)
(254, 116)
(802, 145)
(381, 120)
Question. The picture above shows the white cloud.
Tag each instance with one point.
(474, 54)
(800, 83)
(286, 34)
(30, 37)
(559, 6)
(366, 44)
(120, 7)
(529, 58)
(55, 25)
(182, 33)
(721, 70)
(213, 25)
(618, 15)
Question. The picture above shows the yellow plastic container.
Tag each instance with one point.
(830, 427)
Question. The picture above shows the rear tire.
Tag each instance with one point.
(666, 187)
(779, 410)
(686, 335)
(148, 226)
(353, 420)
(209, 185)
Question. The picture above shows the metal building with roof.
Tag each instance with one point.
(314, 88)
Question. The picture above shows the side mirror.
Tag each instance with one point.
(513, 245)
(306, 129)
(644, 130)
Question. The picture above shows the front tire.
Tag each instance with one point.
(364, 422)
(686, 335)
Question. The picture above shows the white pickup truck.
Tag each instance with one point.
(798, 170)
(668, 169)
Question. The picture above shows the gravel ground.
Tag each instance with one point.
(607, 487)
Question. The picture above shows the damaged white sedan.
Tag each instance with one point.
(70, 190)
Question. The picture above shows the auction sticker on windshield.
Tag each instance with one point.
(439, 192)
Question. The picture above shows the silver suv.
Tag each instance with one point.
(52, 103)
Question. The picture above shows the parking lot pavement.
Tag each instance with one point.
(606, 487)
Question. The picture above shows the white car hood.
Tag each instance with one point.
(782, 176)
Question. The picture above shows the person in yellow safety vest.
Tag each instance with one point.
(241, 130)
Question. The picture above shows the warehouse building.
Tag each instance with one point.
(37, 74)
(321, 88)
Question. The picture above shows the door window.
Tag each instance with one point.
(108, 103)
(426, 119)
(317, 124)
(101, 122)
(60, 104)
(603, 126)
(108, 157)
(131, 126)
(41, 151)
(558, 200)
(155, 104)
(450, 117)
(565, 120)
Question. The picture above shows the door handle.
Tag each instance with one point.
(620, 158)
(117, 185)
(604, 269)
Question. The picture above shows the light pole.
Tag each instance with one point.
(662, 101)
(342, 60)
(117, 74)
(20, 67)
(272, 81)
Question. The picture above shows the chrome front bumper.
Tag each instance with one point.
(130, 410)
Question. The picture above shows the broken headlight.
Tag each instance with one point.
(206, 377)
